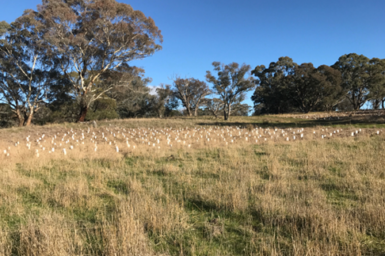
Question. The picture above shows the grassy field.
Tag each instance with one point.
(195, 186)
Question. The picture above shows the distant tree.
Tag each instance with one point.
(376, 85)
(310, 87)
(204, 111)
(6, 115)
(241, 109)
(89, 38)
(25, 70)
(354, 69)
(102, 108)
(304, 88)
(161, 99)
(191, 92)
(231, 84)
(214, 106)
(258, 109)
(330, 83)
(171, 107)
(272, 92)
(345, 105)
(130, 91)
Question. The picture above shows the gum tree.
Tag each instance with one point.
(191, 92)
(230, 84)
(354, 69)
(214, 106)
(26, 71)
(272, 91)
(311, 87)
(377, 82)
(161, 99)
(91, 37)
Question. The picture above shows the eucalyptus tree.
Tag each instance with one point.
(310, 87)
(25, 70)
(130, 91)
(89, 38)
(162, 98)
(377, 82)
(4, 26)
(354, 69)
(214, 106)
(230, 84)
(191, 92)
(303, 87)
(241, 109)
(271, 91)
(330, 83)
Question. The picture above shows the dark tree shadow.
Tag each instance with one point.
(302, 122)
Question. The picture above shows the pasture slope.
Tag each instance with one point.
(269, 185)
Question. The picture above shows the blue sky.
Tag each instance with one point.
(198, 32)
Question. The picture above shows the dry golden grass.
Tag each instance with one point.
(308, 196)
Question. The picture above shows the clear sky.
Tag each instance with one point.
(198, 32)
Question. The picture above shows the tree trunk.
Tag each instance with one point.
(83, 109)
(196, 111)
(356, 105)
(383, 104)
(21, 122)
(376, 104)
(188, 111)
(20, 117)
(29, 119)
(83, 113)
(354, 101)
(160, 113)
(225, 114)
(228, 111)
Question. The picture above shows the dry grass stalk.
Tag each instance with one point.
(311, 196)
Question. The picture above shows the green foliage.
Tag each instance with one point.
(26, 71)
(271, 91)
(377, 82)
(355, 77)
(104, 108)
(286, 87)
(4, 26)
(130, 90)
(6, 116)
(191, 92)
(310, 88)
(66, 112)
(230, 84)
(108, 35)
(241, 109)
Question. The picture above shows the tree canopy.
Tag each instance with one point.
(71, 60)
(230, 84)
(88, 38)
(191, 92)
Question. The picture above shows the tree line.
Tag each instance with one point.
(353, 80)
(70, 61)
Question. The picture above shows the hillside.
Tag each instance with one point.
(268, 185)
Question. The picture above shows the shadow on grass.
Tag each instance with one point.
(201, 205)
(303, 123)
